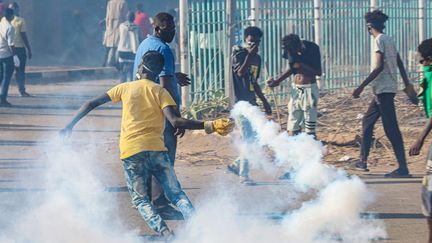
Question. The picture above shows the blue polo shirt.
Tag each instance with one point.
(153, 43)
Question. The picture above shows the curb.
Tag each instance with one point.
(71, 74)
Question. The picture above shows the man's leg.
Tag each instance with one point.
(295, 114)
(8, 71)
(123, 72)
(369, 119)
(20, 71)
(137, 172)
(311, 111)
(391, 129)
(163, 170)
(170, 140)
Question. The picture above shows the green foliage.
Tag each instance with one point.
(216, 103)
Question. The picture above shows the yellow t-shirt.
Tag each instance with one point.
(143, 121)
(20, 26)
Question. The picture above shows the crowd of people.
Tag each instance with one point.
(14, 50)
(151, 120)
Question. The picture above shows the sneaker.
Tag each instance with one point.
(233, 169)
(398, 173)
(286, 176)
(360, 166)
(25, 94)
(5, 104)
(168, 235)
(247, 182)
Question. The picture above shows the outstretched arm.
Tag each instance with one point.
(173, 116)
(83, 111)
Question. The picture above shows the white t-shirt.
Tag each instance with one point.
(7, 37)
(386, 81)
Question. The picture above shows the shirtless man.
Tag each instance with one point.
(305, 64)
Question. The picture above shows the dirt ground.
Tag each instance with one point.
(201, 160)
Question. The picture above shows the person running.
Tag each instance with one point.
(163, 33)
(142, 149)
(8, 58)
(22, 48)
(425, 51)
(246, 67)
(130, 35)
(305, 64)
(383, 79)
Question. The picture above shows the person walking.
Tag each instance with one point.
(115, 15)
(8, 59)
(22, 48)
(383, 79)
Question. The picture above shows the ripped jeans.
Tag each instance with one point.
(138, 168)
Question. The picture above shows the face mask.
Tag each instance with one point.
(427, 69)
(167, 36)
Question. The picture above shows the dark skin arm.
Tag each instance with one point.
(372, 75)
(275, 82)
(27, 44)
(166, 82)
(83, 111)
(173, 116)
(246, 63)
(402, 70)
(416, 147)
(261, 96)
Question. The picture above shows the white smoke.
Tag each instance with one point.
(75, 206)
(333, 214)
(325, 205)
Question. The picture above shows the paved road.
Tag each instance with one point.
(26, 132)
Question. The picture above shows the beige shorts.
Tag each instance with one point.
(302, 108)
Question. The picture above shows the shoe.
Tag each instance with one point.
(247, 182)
(25, 94)
(168, 235)
(5, 104)
(233, 169)
(286, 176)
(360, 166)
(398, 173)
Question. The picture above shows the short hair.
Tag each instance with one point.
(153, 62)
(162, 18)
(253, 31)
(425, 49)
(376, 19)
(292, 42)
(8, 12)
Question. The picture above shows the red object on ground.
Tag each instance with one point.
(142, 20)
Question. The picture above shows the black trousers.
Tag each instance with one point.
(6, 71)
(383, 106)
(20, 71)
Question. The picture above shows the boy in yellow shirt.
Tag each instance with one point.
(142, 149)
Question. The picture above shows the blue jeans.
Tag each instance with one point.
(248, 136)
(138, 169)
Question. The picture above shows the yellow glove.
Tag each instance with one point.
(221, 126)
(411, 93)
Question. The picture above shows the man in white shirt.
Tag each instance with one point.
(7, 55)
(384, 82)
(130, 37)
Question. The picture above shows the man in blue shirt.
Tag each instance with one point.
(163, 33)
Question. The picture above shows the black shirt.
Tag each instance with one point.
(309, 55)
(243, 86)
